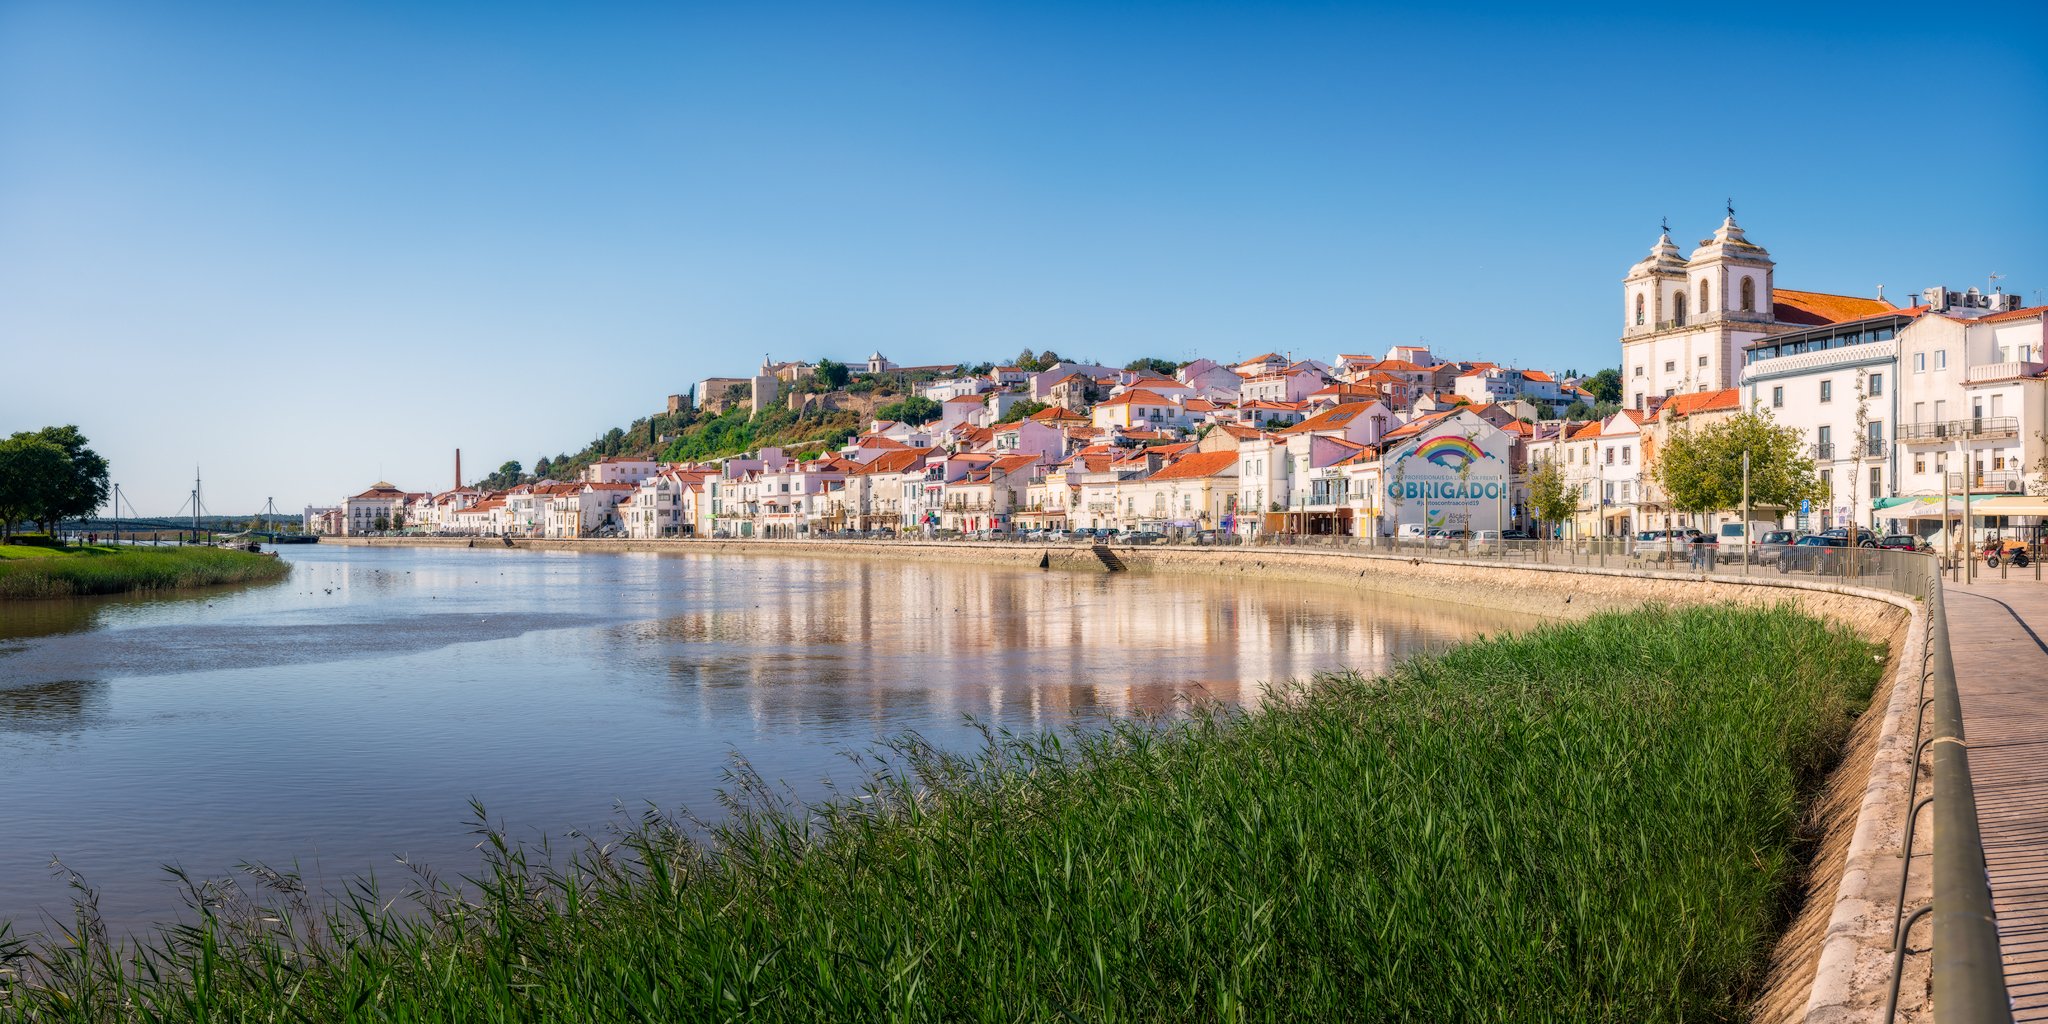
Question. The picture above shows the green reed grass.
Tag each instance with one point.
(90, 571)
(1596, 821)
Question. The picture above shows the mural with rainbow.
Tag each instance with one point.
(1451, 451)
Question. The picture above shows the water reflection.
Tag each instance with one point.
(57, 706)
(347, 715)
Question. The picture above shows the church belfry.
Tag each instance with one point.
(1730, 276)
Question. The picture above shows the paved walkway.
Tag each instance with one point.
(1998, 630)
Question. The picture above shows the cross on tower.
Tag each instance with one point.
(1731, 207)
(1665, 224)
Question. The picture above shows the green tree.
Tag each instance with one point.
(1023, 409)
(381, 523)
(1149, 364)
(31, 471)
(77, 490)
(540, 468)
(1700, 469)
(914, 410)
(832, 374)
(1549, 498)
(1582, 411)
(1606, 385)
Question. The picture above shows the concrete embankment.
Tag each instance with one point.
(1832, 964)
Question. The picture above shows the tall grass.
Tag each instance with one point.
(106, 571)
(1596, 821)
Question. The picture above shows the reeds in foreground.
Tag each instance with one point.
(1594, 821)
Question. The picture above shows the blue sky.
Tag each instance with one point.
(304, 245)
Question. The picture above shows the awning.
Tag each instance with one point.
(1929, 506)
(2012, 505)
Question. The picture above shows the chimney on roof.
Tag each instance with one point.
(458, 469)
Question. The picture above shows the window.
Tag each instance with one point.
(1778, 398)
(1749, 295)
(1639, 371)
(1705, 305)
(1625, 455)
(1703, 360)
(1919, 462)
(1678, 309)
(1826, 436)
(1610, 455)
(1941, 359)
(1919, 362)
(1670, 366)
(1827, 391)
(1639, 310)
(1877, 481)
(1876, 385)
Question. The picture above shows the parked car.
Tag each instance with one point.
(1772, 545)
(1864, 538)
(1815, 553)
(1733, 538)
(1144, 537)
(1660, 546)
(1902, 542)
(1515, 535)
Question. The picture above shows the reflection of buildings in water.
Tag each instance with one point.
(824, 643)
(59, 706)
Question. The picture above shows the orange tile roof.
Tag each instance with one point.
(1694, 402)
(1815, 308)
(2010, 314)
(1135, 397)
(1196, 466)
(1329, 419)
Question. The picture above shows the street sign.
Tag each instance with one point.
(1805, 506)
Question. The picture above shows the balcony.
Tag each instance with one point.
(2002, 481)
(2003, 371)
(1944, 431)
(1825, 451)
(1873, 448)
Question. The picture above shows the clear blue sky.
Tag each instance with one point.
(304, 245)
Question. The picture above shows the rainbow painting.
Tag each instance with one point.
(1450, 451)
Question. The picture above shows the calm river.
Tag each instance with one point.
(345, 717)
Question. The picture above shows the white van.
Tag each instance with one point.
(1734, 538)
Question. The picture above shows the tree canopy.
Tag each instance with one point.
(1700, 469)
(913, 410)
(1149, 364)
(1549, 498)
(1023, 409)
(1606, 385)
(49, 475)
(832, 374)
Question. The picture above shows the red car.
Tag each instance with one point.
(1901, 542)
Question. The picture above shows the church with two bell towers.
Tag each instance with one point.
(1686, 319)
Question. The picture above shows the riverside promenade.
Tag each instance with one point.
(1998, 630)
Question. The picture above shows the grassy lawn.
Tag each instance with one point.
(1594, 821)
(37, 572)
(23, 551)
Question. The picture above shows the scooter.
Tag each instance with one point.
(2018, 554)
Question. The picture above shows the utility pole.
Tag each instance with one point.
(1748, 535)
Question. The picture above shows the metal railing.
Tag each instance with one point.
(2000, 481)
(1824, 451)
(1968, 968)
(1950, 430)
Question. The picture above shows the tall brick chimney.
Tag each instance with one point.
(458, 469)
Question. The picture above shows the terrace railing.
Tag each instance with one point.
(1976, 427)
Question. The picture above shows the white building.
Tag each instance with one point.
(1686, 320)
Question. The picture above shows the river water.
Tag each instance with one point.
(345, 717)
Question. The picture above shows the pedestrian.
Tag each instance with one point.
(1702, 554)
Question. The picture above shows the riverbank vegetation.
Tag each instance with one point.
(78, 571)
(1593, 821)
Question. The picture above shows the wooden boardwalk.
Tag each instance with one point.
(1998, 630)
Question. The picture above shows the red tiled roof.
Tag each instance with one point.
(1135, 397)
(1816, 308)
(1329, 419)
(2011, 314)
(1694, 402)
(1196, 466)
